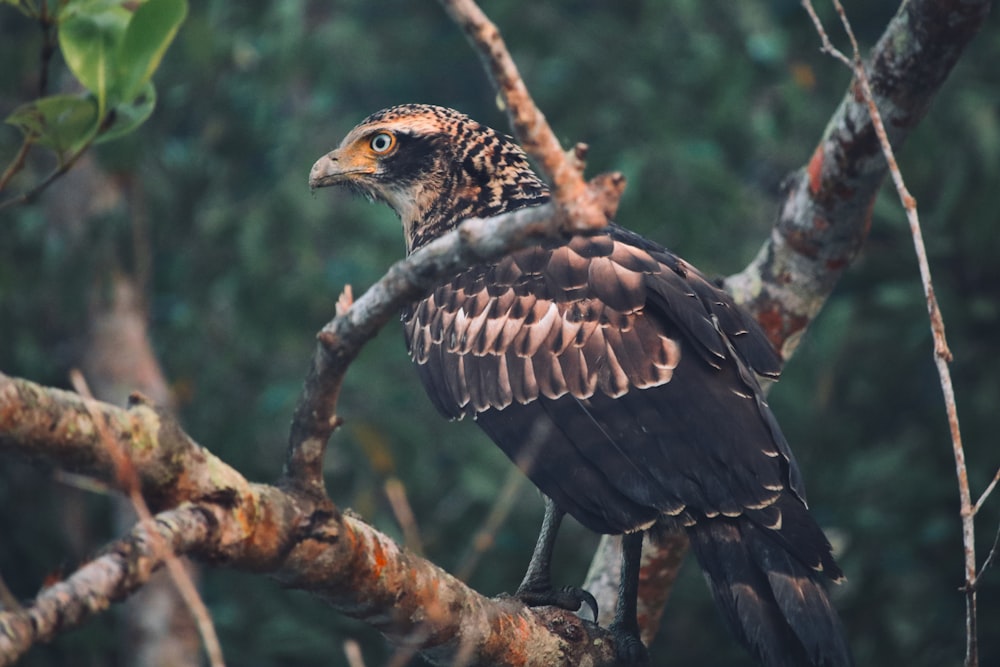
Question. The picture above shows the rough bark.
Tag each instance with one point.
(302, 542)
(826, 214)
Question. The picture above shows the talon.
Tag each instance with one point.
(570, 598)
(583, 596)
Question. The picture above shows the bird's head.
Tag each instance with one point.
(434, 166)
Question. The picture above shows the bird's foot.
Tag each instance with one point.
(628, 647)
(571, 598)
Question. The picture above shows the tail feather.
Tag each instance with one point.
(777, 606)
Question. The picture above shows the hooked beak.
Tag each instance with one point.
(347, 164)
(327, 171)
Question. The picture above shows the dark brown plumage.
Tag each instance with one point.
(615, 375)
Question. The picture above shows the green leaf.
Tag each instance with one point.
(151, 30)
(127, 117)
(90, 35)
(64, 123)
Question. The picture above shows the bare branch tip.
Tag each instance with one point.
(608, 190)
(345, 300)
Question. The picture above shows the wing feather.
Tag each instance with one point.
(607, 324)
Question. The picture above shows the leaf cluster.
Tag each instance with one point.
(112, 47)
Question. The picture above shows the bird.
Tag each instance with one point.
(618, 377)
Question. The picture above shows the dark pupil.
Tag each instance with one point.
(381, 142)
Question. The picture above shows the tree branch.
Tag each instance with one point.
(125, 566)
(303, 542)
(827, 210)
(585, 207)
(59, 428)
(342, 338)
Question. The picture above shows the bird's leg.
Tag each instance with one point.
(625, 627)
(536, 588)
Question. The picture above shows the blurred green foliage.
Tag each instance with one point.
(113, 50)
(705, 105)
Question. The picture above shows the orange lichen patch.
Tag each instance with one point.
(515, 627)
(778, 324)
(656, 577)
(815, 171)
(521, 626)
(258, 529)
(378, 559)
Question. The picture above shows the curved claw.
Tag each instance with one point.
(570, 598)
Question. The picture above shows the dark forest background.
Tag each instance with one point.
(704, 105)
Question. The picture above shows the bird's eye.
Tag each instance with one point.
(382, 142)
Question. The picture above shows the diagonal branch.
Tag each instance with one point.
(125, 566)
(302, 541)
(826, 214)
(586, 206)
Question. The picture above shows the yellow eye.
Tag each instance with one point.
(383, 142)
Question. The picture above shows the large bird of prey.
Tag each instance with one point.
(621, 380)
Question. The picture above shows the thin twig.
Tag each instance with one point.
(395, 491)
(128, 478)
(942, 355)
(29, 195)
(987, 492)
(485, 537)
(83, 483)
(989, 557)
(49, 45)
(16, 165)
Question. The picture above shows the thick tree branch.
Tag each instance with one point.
(124, 567)
(304, 542)
(58, 427)
(827, 210)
